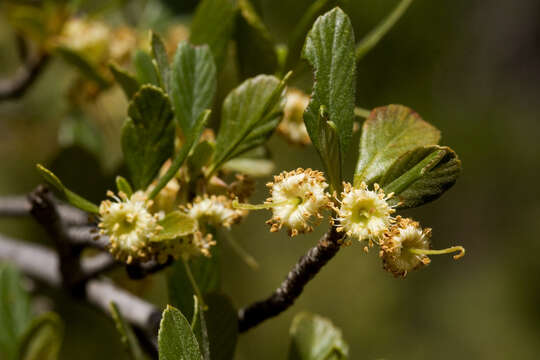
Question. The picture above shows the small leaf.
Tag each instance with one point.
(213, 24)
(83, 65)
(70, 196)
(421, 175)
(201, 156)
(15, 314)
(250, 114)
(206, 273)
(127, 335)
(148, 135)
(176, 339)
(329, 48)
(192, 85)
(254, 42)
(126, 80)
(222, 324)
(43, 339)
(159, 52)
(314, 337)
(145, 69)
(388, 133)
(176, 224)
(123, 185)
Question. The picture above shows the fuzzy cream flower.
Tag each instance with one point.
(122, 43)
(88, 37)
(129, 225)
(364, 214)
(406, 246)
(399, 243)
(214, 210)
(297, 198)
(292, 127)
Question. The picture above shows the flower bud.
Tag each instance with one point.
(292, 127)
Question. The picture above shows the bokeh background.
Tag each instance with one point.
(472, 68)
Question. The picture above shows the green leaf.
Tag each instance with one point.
(78, 129)
(145, 69)
(222, 324)
(213, 24)
(15, 315)
(253, 41)
(388, 133)
(83, 65)
(176, 224)
(123, 185)
(206, 273)
(250, 114)
(297, 37)
(127, 335)
(43, 339)
(126, 80)
(179, 159)
(176, 339)
(71, 197)
(201, 156)
(159, 52)
(421, 175)
(148, 135)
(193, 84)
(314, 337)
(329, 48)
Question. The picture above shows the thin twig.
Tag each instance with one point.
(44, 210)
(16, 206)
(373, 37)
(289, 290)
(96, 265)
(41, 263)
(24, 77)
(87, 236)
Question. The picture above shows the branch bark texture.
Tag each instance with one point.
(284, 296)
(16, 86)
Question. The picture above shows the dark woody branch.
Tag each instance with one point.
(75, 235)
(68, 270)
(42, 264)
(15, 206)
(16, 86)
(77, 229)
(284, 296)
(43, 209)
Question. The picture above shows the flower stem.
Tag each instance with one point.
(243, 206)
(240, 251)
(194, 284)
(373, 37)
(449, 250)
(361, 112)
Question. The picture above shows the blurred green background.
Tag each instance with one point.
(472, 68)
